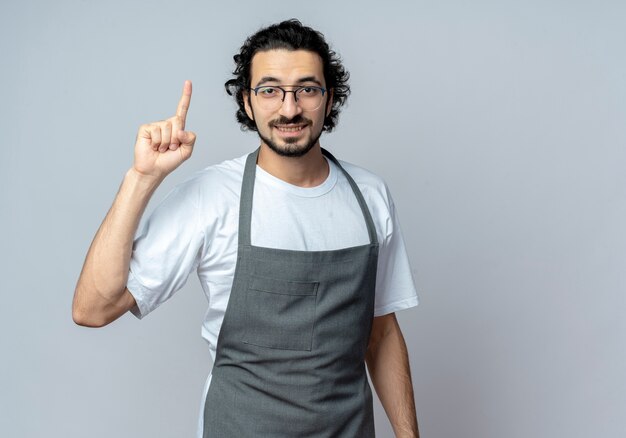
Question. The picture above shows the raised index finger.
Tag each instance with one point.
(185, 100)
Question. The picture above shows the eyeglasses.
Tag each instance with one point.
(308, 97)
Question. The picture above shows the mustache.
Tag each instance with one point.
(296, 120)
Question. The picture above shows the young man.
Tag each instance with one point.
(302, 288)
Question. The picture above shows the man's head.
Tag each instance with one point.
(288, 100)
(278, 47)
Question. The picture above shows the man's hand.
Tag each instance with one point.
(162, 146)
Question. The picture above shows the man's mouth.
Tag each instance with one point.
(289, 128)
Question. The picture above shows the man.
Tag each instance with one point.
(302, 288)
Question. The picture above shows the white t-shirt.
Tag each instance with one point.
(196, 228)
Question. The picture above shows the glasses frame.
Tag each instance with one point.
(296, 88)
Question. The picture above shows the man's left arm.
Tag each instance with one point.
(388, 364)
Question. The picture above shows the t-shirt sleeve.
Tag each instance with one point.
(165, 251)
(395, 288)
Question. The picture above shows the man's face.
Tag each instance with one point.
(288, 130)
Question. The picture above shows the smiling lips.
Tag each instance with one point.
(289, 128)
(290, 131)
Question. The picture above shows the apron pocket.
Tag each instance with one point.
(280, 313)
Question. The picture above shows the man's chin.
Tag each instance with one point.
(289, 149)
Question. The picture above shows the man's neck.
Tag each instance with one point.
(310, 170)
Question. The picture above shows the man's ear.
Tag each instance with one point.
(329, 104)
(246, 104)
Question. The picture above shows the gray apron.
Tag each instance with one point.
(291, 349)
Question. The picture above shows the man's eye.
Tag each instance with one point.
(268, 91)
(309, 91)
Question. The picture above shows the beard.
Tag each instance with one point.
(290, 148)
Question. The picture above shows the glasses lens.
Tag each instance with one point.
(309, 98)
(269, 98)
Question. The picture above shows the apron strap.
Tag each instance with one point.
(247, 191)
(245, 202)
(371, 229)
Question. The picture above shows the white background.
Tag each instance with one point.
(499, 127)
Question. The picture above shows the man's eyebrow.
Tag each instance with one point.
(309, 79)
(303, 80)
(265, 79)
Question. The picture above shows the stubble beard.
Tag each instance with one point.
(290, 148)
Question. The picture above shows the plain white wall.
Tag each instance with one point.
(499, 127)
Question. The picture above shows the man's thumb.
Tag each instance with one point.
(186, 138)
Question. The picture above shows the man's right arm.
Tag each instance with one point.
(101, 295)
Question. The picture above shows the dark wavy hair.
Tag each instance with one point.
(290, 35)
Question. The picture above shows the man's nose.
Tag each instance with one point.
(290, 107)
